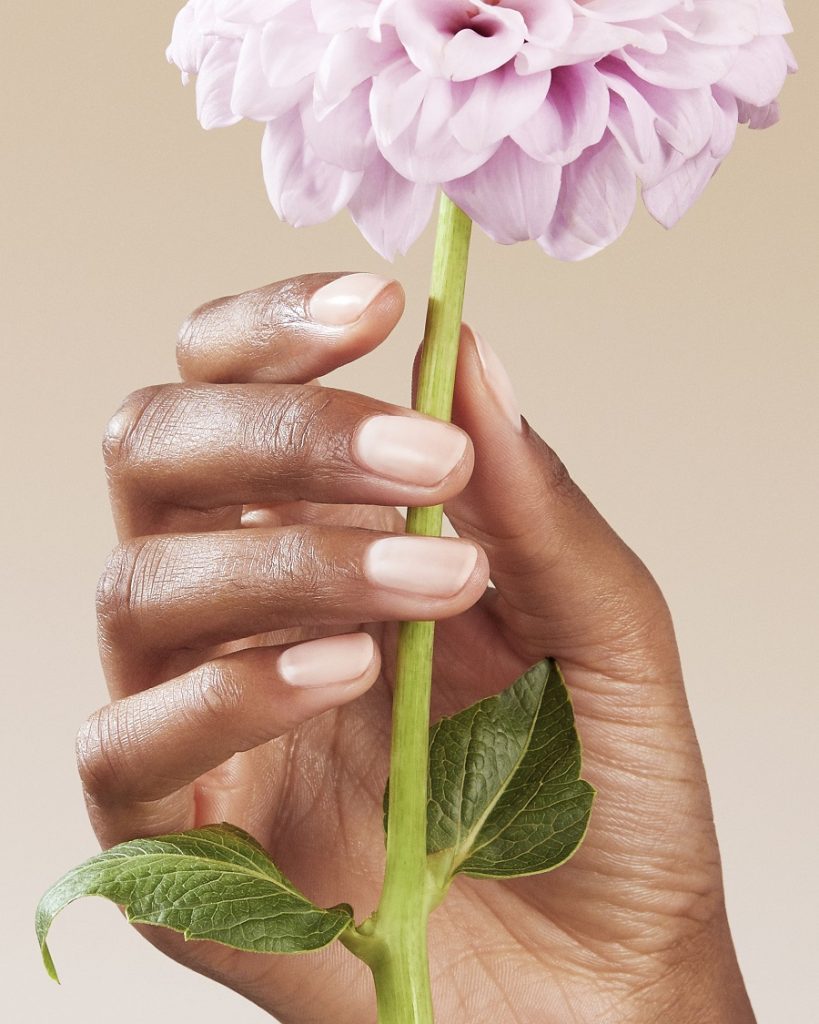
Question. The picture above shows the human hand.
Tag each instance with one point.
(256, 511)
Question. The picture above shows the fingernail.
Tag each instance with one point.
(341, 302)
(497, 380)
(434, 567)
(327, 662)
(408, 448)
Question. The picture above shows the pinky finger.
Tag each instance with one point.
(139, 756)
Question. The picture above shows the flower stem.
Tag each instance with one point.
(401, 966)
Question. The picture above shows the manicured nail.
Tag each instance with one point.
(341, 302)
(408, 448)
(498, 382)
(327, 662)
(434, 567)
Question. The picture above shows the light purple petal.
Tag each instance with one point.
(339, 15)
(670, 198)
(758, 117)
(684, 65)
(458, 40)
(674, 195)
(188, 46)
(344, 136)
(773, 18)
(549, 23)
(303, 190)
(498, 104)
(426, 152)
(512, 197)
(625, 10)
(597, 198)
(493, 36)
(716, 22)
(350, 59)
(572, 118)
(396, 98)
(253, 96)
(389, 211)
(726, 121)
(684, 118)
(759, 72)
(291, 50)
(214, 85)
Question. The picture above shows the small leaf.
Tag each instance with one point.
(505, 794)
(213, 883)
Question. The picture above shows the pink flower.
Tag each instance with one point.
(537, 117)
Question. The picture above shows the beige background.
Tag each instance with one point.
(676, 374)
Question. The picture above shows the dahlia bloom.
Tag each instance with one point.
(539, 118)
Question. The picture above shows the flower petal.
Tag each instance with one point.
(512, 197)
(572, 118)
(684, 64)
(344, 136)
(458, 40)
(214, 85)
(759, 72)
(253, 96)
(498, 104)
(494, 36)
(332, 16)
(396, 98)
(291, 50)
(676, 193)
(303, 189)
(389, 211)
(350, 59)
(426, 151)
(597, 198)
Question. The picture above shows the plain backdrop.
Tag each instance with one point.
(676, 374)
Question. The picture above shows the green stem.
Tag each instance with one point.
(400, 963)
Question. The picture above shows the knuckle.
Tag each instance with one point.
(118, 588)
(126, 427)
(220, 693)
(194, 334)
(101, 754)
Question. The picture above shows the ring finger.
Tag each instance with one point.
(166, 602)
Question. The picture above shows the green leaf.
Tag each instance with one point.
(213, 883)
(505, 794)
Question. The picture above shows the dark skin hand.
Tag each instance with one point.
(248, 500)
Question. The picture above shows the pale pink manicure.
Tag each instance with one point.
(431, 566)
(342, 302)
(327, 662)
(408, 448)
(498, 382)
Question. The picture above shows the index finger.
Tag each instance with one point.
(289, 332)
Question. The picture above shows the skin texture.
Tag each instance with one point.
(244, 521)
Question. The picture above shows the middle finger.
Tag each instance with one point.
(187, 457)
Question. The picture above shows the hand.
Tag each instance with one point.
(257, 518)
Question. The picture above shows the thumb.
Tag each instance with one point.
(566, 584)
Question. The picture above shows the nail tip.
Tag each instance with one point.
(343, 301)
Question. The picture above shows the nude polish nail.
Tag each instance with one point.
(497, 380)
(341, 302)
(434, 567)
(327, 662)
(409, 449)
